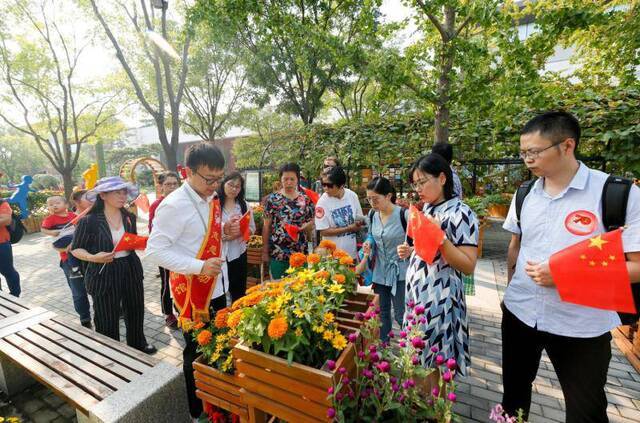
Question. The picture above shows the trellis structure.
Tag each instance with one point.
(128, 169)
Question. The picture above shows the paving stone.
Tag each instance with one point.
(67, 411)
(553, 414)
(486, 394)
(619, 400)
(461, 409)
(630, 413)
(32, 405)
(53, 400)
(44, 415)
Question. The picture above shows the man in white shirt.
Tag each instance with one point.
(576, 338)
(337, 210)
(179, 228)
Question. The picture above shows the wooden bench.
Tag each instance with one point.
(104, 380)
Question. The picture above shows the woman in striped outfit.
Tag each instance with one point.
(112, 278)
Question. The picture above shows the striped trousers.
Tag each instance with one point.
(126, 290)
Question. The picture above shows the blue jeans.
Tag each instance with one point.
(7, 270)
(385, 307)
(78, 292)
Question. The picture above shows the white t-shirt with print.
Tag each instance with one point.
(332, 212)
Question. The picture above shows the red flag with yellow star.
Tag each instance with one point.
(594, 273)
(245, 230)
(130, 242)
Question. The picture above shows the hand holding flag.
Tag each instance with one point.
(427, 236)
(594, 273)
(244, 225)
(142, 202)
(292, 231)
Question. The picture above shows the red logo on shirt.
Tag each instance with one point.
(581, 222)
(319, 212)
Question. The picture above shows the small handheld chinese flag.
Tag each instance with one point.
(131, 242)
(82, 214)
(427, 236)
(244, 226)
(314, 196)
(293, 231)
(594, 273)
(142, 202)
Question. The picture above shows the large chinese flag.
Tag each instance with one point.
(314, 196)
(292, 230)
(593, 273)
(130, 242)
(427, 236)
(244, 226)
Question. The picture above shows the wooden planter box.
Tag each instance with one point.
(358, 302)
(219, 389)
(295, 393)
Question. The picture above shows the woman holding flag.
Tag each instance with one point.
(235, 209)
(445, 240)
(112, 277)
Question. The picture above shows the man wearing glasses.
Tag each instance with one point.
(179, 229)
(576, 338)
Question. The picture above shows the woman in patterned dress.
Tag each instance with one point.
(438, 287)
(288, 205)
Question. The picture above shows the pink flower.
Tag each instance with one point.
(374, 357)
(383, 366)
(352, 337)
(435, 391)
(372, 347)
(395, 388)
(361, 355)
(331, 365)
(403, 334)
(409, 316)
(415, 360)
(401, 398)
(410, 304)
(419, 309)
(367, 373)
(359, 316)
(439, 359)
(342, 370)
(434, 349)
(331, 413)
(330, 390)
(411, 383)
(372, 304)
(402, 344)
(452, 364)
(346, 380)
(452, 397)
(447, 376)
(423, 320)
(391, 335)
(417, 343)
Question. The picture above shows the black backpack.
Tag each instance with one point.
(615, 195)
(16, 228)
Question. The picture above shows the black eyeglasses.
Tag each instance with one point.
(209, 181)
(328, 185)
(534, 154)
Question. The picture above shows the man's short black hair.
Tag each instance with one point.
(204, 154)
(444, 149)
(555, 126)
(336, 176)
(290, 167)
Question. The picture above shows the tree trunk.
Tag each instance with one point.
(441, 123)
(67, 180)
(102, 165)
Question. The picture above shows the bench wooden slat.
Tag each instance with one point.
(93, 387)
(62, 386)
(89, 340)
(74, 359)
(96, 358)
(20, 321)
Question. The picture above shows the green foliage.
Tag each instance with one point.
(36, 201)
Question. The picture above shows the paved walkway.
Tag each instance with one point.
(44, 284)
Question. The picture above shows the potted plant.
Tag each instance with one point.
(497, 205)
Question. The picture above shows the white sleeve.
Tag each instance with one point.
(358, 207)
(168, 226)
(322, 219)
(511, 222)
(631, 235)
(252, 222)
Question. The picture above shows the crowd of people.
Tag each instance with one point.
(180, 222)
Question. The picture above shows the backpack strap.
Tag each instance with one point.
(403, 221)
(521, 193)
(615, 194)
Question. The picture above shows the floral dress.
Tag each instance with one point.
(283, 210)
(440, 289)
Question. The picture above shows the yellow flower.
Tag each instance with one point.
(215, 357)
(273, 307)
(339, 341)
(336, 289)
(220, 339)
(298, 332)
(327, 335)
(298, 312)
(318, 329)
(321, 299)
(329, 317)
(285, 297)
(234, 318)
(289, 270)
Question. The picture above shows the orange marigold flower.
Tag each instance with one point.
(253, 299)
(323, 274)
(221, 318)
(340, 278)
(329, 245)
(297, 260)
(348, 260)
(274, 292)
(313, 259)
(198, 325)
(277, 328)
(234, 318)
(339, 254)
(204, 338)
(254, 288)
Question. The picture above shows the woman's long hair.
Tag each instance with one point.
(231, 177)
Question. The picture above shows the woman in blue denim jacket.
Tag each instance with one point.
(387, 230)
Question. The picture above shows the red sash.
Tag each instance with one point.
(191, 293)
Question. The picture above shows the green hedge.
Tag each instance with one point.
(37, 201)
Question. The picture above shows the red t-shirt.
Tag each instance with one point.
(5, 209)
(54, 223)
(152, 211)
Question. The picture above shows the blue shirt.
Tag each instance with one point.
(388, 267)
(544, 233)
